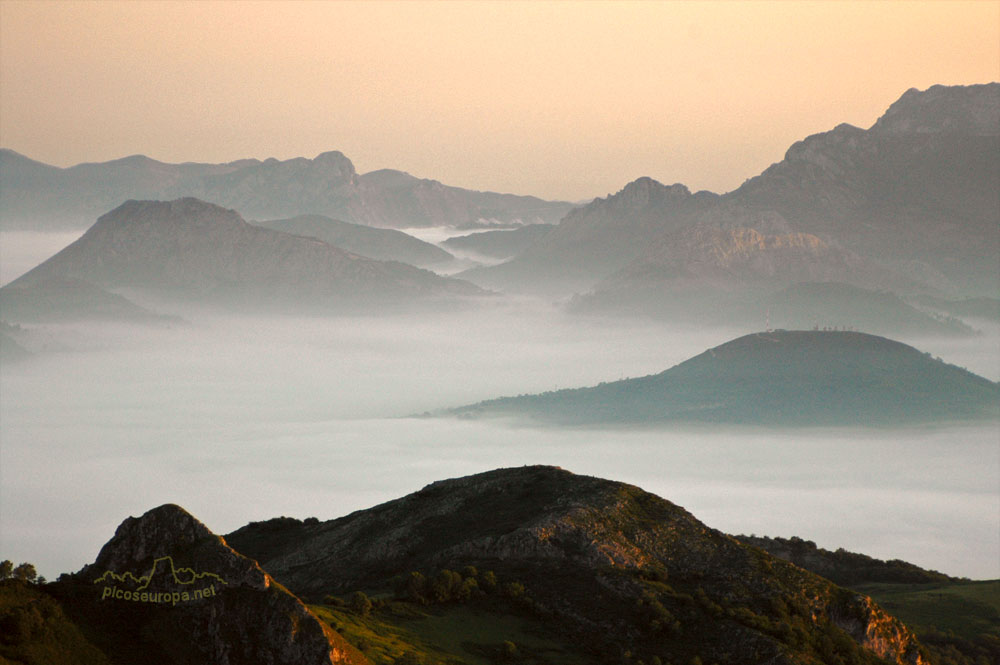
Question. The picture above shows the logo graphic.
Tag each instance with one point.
(164, 583)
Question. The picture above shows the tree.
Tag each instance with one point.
(415, 588)
(25, 572)
(361, 604)
(6, 569)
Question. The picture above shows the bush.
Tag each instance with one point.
(361, 604)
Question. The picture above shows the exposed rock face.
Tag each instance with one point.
(194, 249)
(582, 547)
(245, 618)
(39, 196)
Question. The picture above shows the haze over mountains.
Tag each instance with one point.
(310, 329)
(191, 249)
(375, 243)
(909, 203)
(802, 378)
(39, 197)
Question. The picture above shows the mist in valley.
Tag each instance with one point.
(241, 418)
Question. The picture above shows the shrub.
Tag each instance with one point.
(361, 604)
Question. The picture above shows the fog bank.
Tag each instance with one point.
(241, 419)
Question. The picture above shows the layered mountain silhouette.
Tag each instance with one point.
(38, 196)
(603, 567)
(500, 243)
(909, 204)
(799, 378)
(57, 299)
(829, 304)
(375, 243)
(191, 249)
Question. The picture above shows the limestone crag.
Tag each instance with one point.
(246, 618)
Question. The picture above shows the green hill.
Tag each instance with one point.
(800, 378)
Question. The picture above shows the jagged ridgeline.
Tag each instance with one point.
(802, 378)
(532, 564)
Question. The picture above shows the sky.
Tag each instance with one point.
(562, 100)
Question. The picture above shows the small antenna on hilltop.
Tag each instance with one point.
(767, 321)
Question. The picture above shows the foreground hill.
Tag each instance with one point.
(166, 590)
(39, 197)
(907, 204)
(603, 567)
(375, 243)
(799, 378)
(191, 249)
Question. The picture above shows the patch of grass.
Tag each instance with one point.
(968, 609)
(457, 634)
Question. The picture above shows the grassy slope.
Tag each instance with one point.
(454, 634)
(969, 609)
(34, 630)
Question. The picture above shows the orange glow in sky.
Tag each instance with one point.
(562, 100)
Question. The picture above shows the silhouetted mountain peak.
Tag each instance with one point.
(973, 109)
(646, 192)
(337, 161)
(186, 213)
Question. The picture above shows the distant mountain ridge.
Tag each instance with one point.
(41, 197)
(191, 249)
(797, 378)
(375, 243)
(910, 204)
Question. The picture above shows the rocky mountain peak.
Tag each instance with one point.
(973, 110)
(335, 160)
(646, 192)
(166, 579)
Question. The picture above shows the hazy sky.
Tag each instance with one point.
(563, 100)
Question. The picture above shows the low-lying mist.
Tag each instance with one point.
(239, 418)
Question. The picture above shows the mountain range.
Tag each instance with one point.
(189, 249)
(534, 564)
(36, 196)
(798, 378)
(375, 243)
(909, 204)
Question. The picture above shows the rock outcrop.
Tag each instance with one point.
(169, 588)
